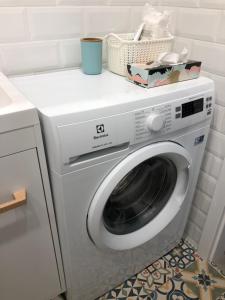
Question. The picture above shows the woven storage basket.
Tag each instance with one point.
(123, 50)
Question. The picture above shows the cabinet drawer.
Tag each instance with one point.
(17, 140)
(27, 258)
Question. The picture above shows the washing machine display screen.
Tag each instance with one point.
(193, 107)
(140, 195)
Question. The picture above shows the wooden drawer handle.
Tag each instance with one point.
(20, 198)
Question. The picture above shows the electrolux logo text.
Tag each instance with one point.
(100, 131)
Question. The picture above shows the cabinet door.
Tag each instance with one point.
(28, 267)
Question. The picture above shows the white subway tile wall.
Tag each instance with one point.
(194, 232)
(197, 217)
(13, 25)
(26, 57)
(70, 53)
(135, 17)
(212, 164)
(202, 202)
(212, 55)
(216, 143)
(51, 23)
(27, 3)
(181, 3)
(206, 184)
(38, 35)
(107, 19)
(192, 23)
(214, 4)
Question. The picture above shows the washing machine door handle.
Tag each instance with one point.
(123, 228)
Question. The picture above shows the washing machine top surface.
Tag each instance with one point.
(83, 115)
(64, 92)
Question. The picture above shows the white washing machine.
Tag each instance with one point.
(124, 163)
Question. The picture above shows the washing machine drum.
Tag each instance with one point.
(140, 196)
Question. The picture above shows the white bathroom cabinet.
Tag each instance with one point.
(30, 260)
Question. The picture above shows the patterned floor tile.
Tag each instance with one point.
(204, 280)
(181, 256)
(221, 297)
(155, 275)
(174, 289)
(131, 289)
(180, 275)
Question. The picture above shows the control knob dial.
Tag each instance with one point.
(155, 122)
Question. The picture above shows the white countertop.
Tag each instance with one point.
(15, 110)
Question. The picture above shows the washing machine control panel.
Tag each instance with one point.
(110, 134)
(161, 119)
(151, 121)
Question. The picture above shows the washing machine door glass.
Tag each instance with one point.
(140, 195)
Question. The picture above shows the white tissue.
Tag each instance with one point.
(171, 58)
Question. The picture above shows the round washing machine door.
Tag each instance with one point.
(140, 196)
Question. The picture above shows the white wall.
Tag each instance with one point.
(37, 35)
(200, 26)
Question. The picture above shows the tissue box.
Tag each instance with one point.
(143, 75)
